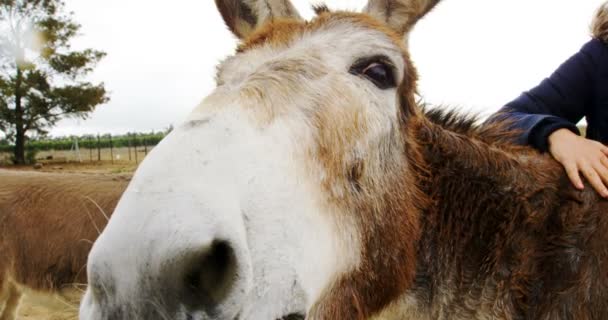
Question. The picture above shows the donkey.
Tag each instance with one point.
(48, 223)
(309, 184)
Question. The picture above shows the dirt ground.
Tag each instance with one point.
(103, 167)
(65, 308)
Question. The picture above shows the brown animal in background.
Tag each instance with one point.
(48, 223)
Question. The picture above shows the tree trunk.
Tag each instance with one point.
(19, 123)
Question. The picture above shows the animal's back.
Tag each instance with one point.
(574, 268)
(48, 223)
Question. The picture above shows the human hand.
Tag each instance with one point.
(578, 154)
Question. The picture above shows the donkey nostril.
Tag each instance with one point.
(211, 276)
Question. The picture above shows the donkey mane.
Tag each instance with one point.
(320, 8)
(470, 125)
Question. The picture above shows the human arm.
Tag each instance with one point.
(547, 114)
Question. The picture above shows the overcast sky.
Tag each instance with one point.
(476, 54)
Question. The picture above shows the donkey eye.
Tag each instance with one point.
(377, 70)
(380, 74)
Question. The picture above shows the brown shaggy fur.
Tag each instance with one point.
(48, 223)
(506, 236)
(599, 26)
(320, 9)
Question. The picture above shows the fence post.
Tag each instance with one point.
(135, 149)
(111, 149)
(129, 145)
(145, 147)
(98, 148)
(90, 149)
(25, 148)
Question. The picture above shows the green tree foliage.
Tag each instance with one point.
(40, 75)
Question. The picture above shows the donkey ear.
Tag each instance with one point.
(400, 15)
(244, 16)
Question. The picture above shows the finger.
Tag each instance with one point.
(604, 150)
(597, 143)
(602, 171)
(572, 172)
(594, 178)
(604, 161)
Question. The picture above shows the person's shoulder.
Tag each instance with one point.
(595, 46)
(595, 50)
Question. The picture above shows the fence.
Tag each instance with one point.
(107, 148)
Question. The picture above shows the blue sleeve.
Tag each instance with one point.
(559, 101)
(535, 128)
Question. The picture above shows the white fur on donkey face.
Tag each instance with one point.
(243, 171)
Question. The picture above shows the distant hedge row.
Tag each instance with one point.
(91, 142)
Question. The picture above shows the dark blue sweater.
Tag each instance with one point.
(577, 89)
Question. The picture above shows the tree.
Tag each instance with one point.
(41, 77)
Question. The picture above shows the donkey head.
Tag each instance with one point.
(289, 191)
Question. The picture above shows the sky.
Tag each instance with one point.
(476, 55)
